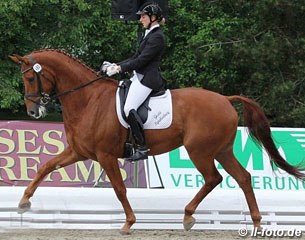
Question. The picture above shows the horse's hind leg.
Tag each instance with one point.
(243, 178)
(66, 158)
(211, 177)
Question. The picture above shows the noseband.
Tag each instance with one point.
(44, 97)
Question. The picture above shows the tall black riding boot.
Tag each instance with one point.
(136, 126)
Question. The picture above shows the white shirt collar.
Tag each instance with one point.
(151, 28)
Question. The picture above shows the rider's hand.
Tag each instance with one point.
(104, 66)
(113, 69)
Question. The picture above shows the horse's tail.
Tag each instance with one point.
(259, 129)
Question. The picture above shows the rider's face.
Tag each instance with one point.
(144, 19)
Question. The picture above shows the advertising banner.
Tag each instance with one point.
(177, 170)
(26, 145)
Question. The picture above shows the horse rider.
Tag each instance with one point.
(145, 65)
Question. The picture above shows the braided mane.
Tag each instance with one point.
(68, 55)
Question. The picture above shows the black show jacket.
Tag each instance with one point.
(147, 59)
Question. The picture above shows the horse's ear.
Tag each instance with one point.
(18, 59)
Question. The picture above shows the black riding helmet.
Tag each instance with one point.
(150, 10)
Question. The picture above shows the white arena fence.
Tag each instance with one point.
(98, 208)
(161, 190)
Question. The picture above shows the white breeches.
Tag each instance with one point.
(136, 95)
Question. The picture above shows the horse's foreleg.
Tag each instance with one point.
(66, 158)
(243, 178)
(212, 178)
(111, 167)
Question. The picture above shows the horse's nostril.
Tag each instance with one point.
(31, 113)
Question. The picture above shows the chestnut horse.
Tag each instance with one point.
(203, 121)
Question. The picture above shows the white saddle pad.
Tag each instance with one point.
(160, 116)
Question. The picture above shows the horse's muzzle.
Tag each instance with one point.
(37, 111)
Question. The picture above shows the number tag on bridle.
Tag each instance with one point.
(37, 68)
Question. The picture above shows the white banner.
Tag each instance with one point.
(177, 170)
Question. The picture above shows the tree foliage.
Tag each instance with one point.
(254, 48)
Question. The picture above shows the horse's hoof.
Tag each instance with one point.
(189, 224)
(22, 208)
(125, 232)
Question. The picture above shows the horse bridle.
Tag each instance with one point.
(45, 98)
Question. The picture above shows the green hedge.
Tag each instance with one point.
(253, 48)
